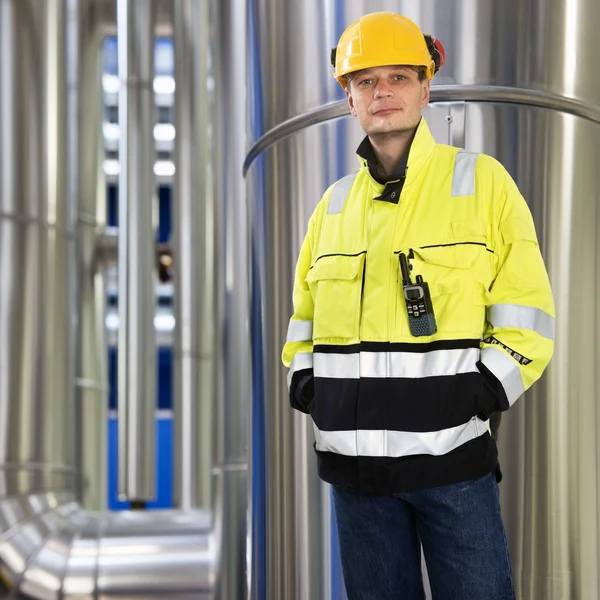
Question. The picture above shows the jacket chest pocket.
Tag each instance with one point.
(336, 284)
(458, 294)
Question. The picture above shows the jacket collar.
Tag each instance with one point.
(368, 159)
(420, 151)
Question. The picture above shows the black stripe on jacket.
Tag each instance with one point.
(386, 476)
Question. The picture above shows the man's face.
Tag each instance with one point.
(387, 99)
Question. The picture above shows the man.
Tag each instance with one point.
(421, 306)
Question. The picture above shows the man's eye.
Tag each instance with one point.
(366, 82)
(399, 77)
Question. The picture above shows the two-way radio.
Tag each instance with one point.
(419, 307)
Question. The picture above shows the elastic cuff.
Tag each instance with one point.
(302, 390)
(498, 400)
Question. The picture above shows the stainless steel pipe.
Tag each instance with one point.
(86, 175)
(519, 84)
(228, 126)
(50, 547)
(194, 251)
(136, 347)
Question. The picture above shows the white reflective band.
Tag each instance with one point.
(463, 179)
(386, 443)
(302, 360)
(522, 317)
(339, 193)
(299, 331)
(506, 370)
(337, 366)
(396, 364)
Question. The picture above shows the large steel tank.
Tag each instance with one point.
(519, 84)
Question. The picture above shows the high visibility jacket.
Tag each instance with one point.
(393, 412)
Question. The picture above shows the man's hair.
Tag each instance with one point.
(421, 71)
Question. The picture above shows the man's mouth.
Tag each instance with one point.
(384, 111)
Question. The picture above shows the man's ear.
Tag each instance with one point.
(425, 93)
(351, 102)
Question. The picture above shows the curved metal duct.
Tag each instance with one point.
(519, 84)
(50, 546)
(51, 549)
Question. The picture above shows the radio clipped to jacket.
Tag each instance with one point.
(419, 307)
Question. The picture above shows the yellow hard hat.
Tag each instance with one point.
(380, 39)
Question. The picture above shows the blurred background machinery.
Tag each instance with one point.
(159, 161)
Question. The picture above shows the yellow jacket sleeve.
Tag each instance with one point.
(298, 349)
(519, 338)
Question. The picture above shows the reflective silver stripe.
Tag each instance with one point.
(522, 317)
(396, 364)
(339, 193)
(299, 331)
(378, 443)
(337, 366)
(302, 360)
(463, 179)
(506, 370)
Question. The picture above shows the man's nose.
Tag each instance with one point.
(383, 89)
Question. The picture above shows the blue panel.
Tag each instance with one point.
(111, 62)
(112, 378)
(164, 466)
(164, 214)
(164, 390)
(164, 59)
(164, 433)
(165, 194)
(163, 56)
(112, 207)
(258, 211)
(165, 379)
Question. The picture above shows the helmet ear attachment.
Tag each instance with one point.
(438, 54)
(333, 55)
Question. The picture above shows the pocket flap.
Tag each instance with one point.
(442, 289)
(516, 229)
(336, 266)
(453, 257)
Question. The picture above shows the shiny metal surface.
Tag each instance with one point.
(106, 14)
(519, 84)
(439, 93)
(36, 241)
(195, 260)
(137, 349)
(51, 205)
(234, 383)
(164, 554)
(89, 188)
(52, 549)
(548, 444)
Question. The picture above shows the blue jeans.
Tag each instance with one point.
(459, 527)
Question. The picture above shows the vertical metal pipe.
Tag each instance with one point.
(37, 242)
(194, 253)
(73, 100)
(85, 115)
(11, 277)
(290, 526)
(137, 348)
(57, 409)
(228, 43)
